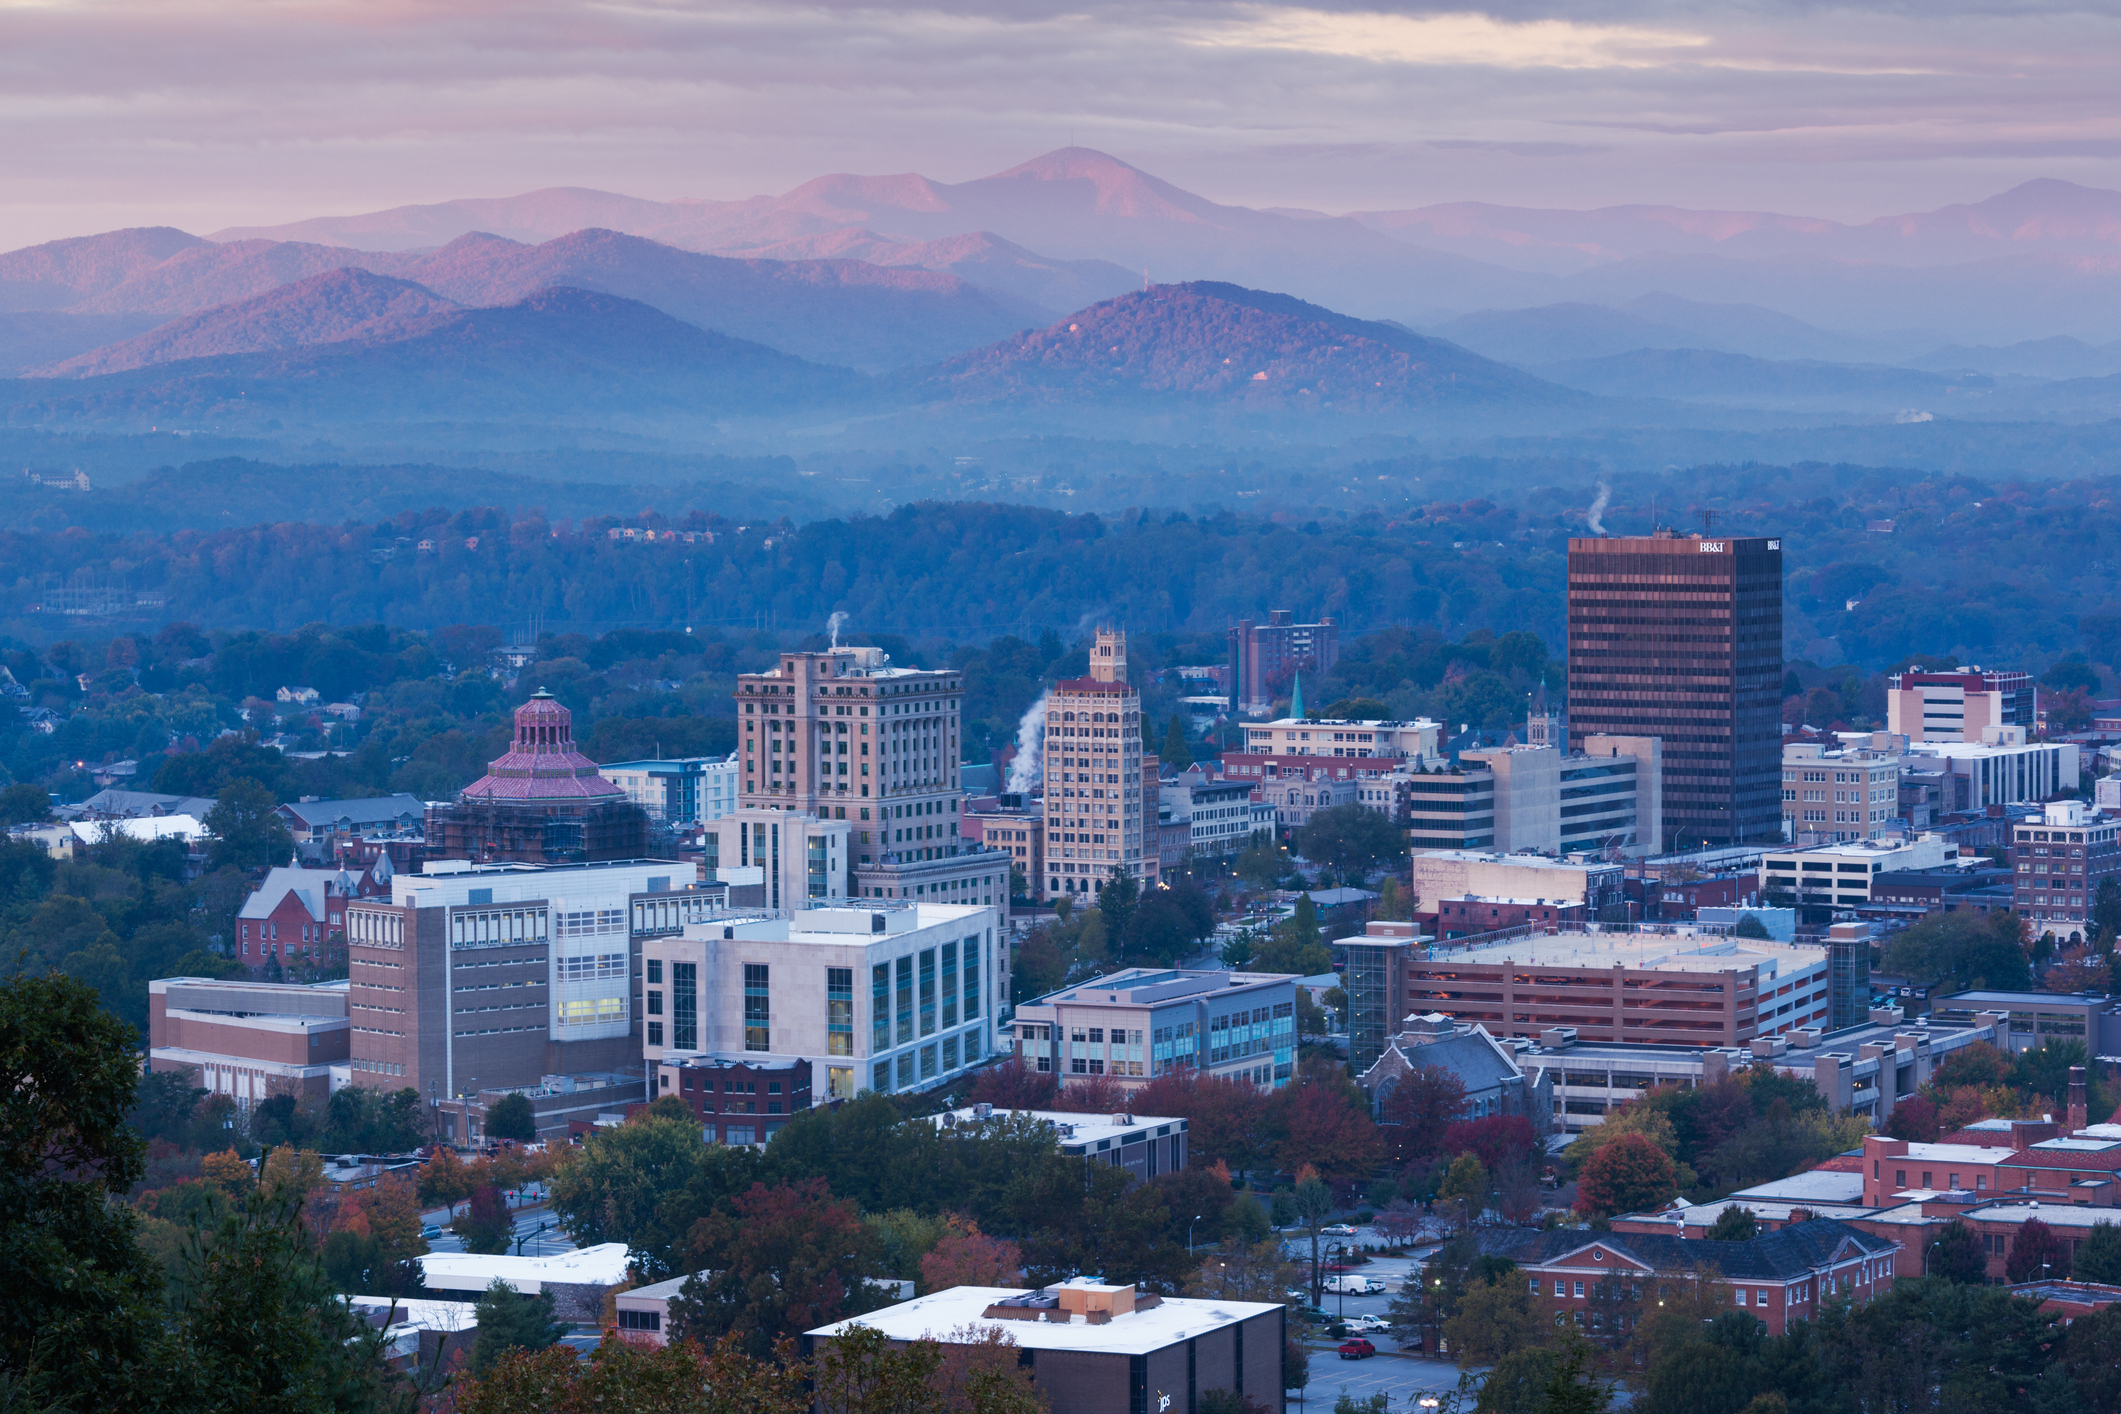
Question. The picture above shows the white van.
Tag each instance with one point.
(1341, 1283)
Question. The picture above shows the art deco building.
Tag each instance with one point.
(542, 803)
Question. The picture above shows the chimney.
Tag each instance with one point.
(2077, 1117)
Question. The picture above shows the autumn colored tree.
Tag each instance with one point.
(1223, 1115)
(971, 1258)
(1638, 1116)
(2036, 1253)
(1913, 1119)
(1464, 1193)
(1322, 1121)
(1013, 1085)
(775, 1262)
(679, 1378)
(1092, 1094)
(1956, 1255)
(1416, 1110)
(227, 1171)
(486, 1225)
(445, 1179)
(1496, 1140)
(1629, 1175)
(1495, 1320)
(1236, 1270)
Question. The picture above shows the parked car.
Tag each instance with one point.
(1338, 1230)
(1368, 1325)
(1356, 1348)
(430, 1232)
(1312, 1314)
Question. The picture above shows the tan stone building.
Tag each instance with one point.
(1101, 797)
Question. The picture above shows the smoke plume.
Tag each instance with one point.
(1597, 515)
(832, 626)
(1028, 769)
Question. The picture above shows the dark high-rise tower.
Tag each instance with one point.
(1680, 637)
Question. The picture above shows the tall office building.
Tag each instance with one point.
(1264, 658)
(844, 735)
(1100, 787)
(1679, 637)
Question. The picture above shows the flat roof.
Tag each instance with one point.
(1683, 951)
(421, 1314)
(602, 1265)
(2022, 999)
(660, 1291)
(1526, 861)
(935, 1317)
(1816, 1185)
(1957, 1153)
(2053, 1214)
(1087, 1128)
(1145, 986)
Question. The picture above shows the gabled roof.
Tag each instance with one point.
(1478, 1061)
(309, 885)
(1782, 1255)
(365, 811)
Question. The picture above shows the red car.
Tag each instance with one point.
(1356, 1349)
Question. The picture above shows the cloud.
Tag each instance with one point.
(208, 113)
(1451, 39)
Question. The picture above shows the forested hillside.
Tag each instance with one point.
(1882, 565)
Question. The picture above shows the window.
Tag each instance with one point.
(880, 1076)
(971, 978)
(655, 1003)
(655, 1033)
(905, 1070)
(1741, 1296)
(880, 1007)
(1579, 1289)
(928, 992)
(685, 1006)
(949, 987)
(640, 1320)
(905, 1000)
(839, 1011)
(950, 1053)
(756, 1013)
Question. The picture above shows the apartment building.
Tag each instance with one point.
(1958, 704)
(1219, 817)
(842, 735)
(1143, 1022)
(683, 791)
(2058, 862)
(1832, 793)
(475, 976)
(1698, 989)
(249, 1040)
(1018, 830)
(1101, 800)
(1680, 638)
(868, 994)
(1143, 1145)
(1265, 658)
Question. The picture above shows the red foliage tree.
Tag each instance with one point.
(1322, 1124)
(1497, 1140)
(2036, 1254)
(1416, 1110)
(1012, 1085)
(1628, 1175)
(1913, 1119)
(1093, 1094)
(775, 1262)
(971, 1259)
(1223, 1116)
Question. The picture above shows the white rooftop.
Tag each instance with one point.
(141, 827)
(2100, 1131)
(1818, 1185)
(1522, 861)
(1959, 1153)
(421, 1314)
(2053, 1214)
(602, 1265)
(1178, 1318)
(2079, 1143)
(1660, 952)
(846, 925)
(1077, 1129)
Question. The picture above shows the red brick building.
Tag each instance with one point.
(737, 1102)
(1601, 1278)
(300, 915)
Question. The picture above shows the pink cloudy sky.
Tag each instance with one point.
(205, 113)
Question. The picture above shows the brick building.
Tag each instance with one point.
(1776, 1277)
(737, 1101)
(2058, 863)
(248, 1040)
(1265, 658)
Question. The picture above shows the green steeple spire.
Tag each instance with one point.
(1296, 698)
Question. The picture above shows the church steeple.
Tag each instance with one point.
(1296, 697)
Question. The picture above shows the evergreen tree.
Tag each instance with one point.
(1175, 753)
(1956, 1255)
(511, 1117)
(2098, 1257)
(509, 1320)
(1735, 1224)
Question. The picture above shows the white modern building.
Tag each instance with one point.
(876, 994)
(2003, 768)
(1839, 875)
(683, 791)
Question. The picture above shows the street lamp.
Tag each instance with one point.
(1340, 1287)
(1189, 1234)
